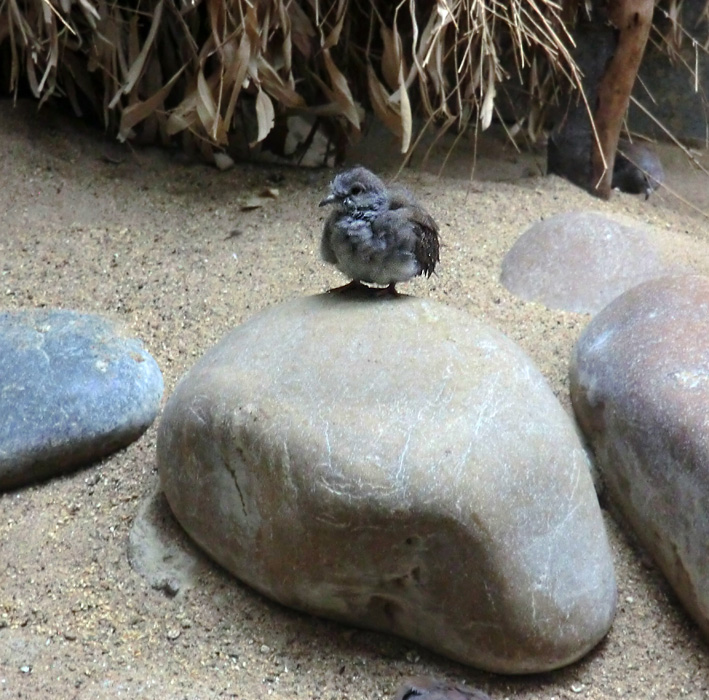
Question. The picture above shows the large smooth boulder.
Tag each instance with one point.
(640, 389)
(580, 261)
(73, 388)
(395, 464)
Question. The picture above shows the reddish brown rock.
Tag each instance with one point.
(640, 389)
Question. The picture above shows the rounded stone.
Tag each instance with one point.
(579, 261)
(73, 388)
(640, 389)
(395, 464)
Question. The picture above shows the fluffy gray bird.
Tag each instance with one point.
(375, 234)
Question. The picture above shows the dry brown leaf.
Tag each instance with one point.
(179, 121)
(138, 65)
(448, 50)
(340, 92)
(432, 39)
(302, 30)
(206, 107)
(334, 36)
(205, 98)
(138, 111)
(252, 26)
(51, 62)
(90, 12)
(392, 56)
(31, 75)
(236, 73)
(489, 97)
(265, 116)
(381, 104)
(184, 116)
(275, 86)
(406, 117)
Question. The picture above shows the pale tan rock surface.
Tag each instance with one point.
(396, 464)
(580, 261)
(640, 388)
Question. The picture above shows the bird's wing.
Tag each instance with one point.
(410, 227)
(426, 246)
(427, 249)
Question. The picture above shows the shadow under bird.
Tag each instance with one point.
(377, 234)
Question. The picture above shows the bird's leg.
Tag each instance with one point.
(354, 284)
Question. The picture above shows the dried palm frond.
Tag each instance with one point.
(212, 72)
(159, 69)
(452, 55)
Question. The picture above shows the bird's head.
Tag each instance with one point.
(358, 192)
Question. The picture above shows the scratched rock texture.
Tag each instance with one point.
(73, 388)
(580, 261)
(640, 388)
(394, 464)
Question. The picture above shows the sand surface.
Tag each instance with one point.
(163, 244)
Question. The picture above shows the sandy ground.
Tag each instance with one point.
(163, 244)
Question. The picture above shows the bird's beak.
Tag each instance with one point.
(330, 199)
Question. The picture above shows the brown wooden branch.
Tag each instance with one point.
(632, 20)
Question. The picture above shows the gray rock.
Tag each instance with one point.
(395, 464)
(640, 388)
(73, 388)
(579, 261)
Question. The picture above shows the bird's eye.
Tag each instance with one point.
(356, 189)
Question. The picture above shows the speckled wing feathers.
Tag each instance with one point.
(426, 246)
